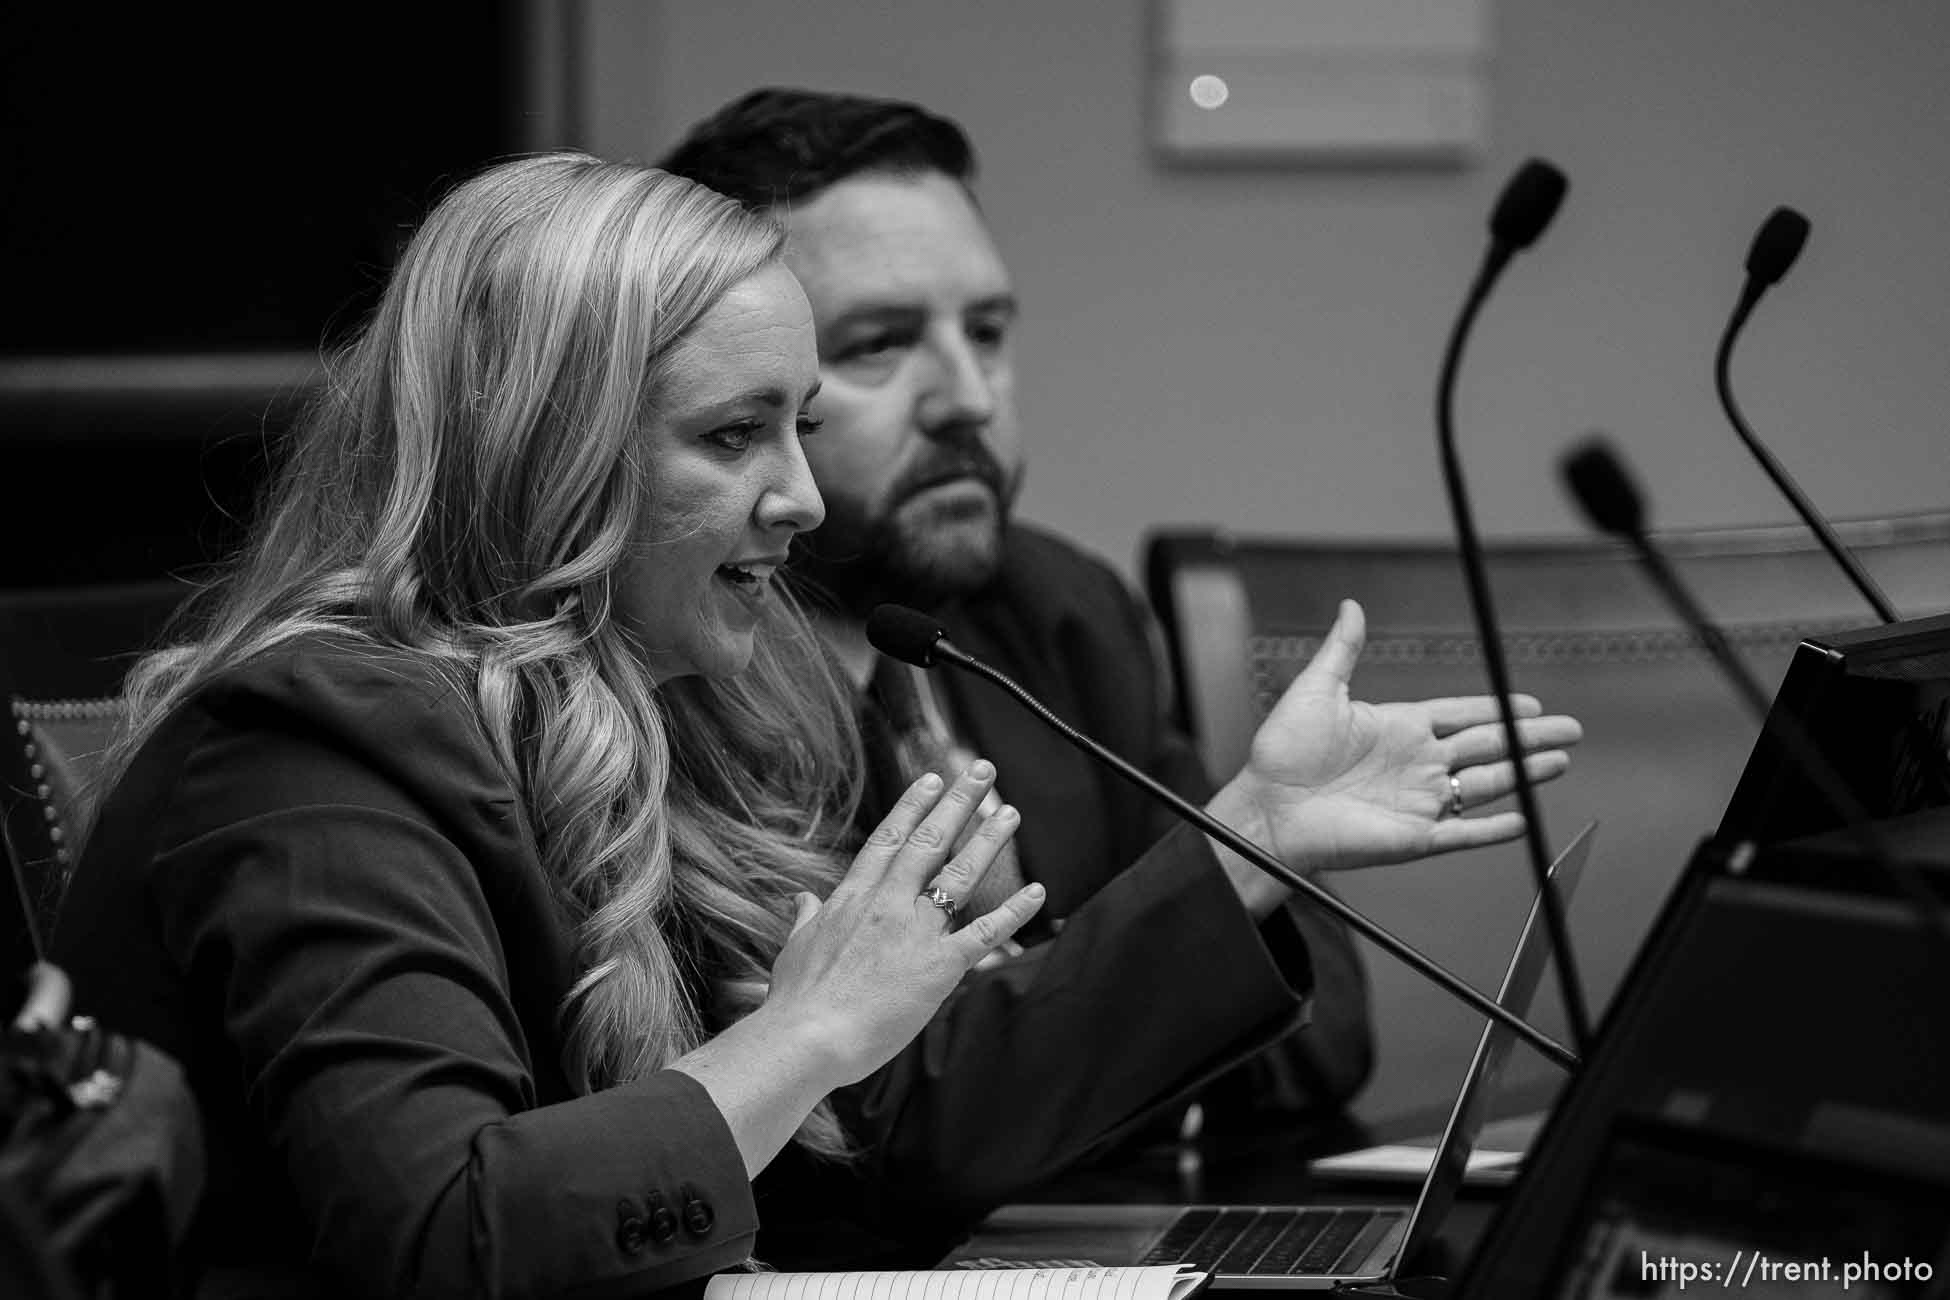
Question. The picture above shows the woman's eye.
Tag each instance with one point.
(734, 437)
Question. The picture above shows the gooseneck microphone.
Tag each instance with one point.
(1522, 211)
(1775, 246)
(1612, 502)
(912, 637)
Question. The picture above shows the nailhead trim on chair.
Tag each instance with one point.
(28, 712)
(1277, 658)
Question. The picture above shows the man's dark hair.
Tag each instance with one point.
(777, 144)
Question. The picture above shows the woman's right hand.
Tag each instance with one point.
(864, 970)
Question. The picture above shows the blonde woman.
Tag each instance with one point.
(470, 855)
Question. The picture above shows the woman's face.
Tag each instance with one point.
(728, 484)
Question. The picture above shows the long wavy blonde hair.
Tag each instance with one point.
(464, 488)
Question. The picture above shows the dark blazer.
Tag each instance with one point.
(317, 888)
(1068, 629)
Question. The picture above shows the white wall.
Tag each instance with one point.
(1258, 347)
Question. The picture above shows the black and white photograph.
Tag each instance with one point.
(1039, 650)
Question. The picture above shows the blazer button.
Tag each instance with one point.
(663, 1223)
(630, 1228)
(698, 1218)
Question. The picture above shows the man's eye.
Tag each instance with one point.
(734, 437)
(810, 424)
(869, 347)
(988, 333)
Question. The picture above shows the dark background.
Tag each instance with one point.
(227, 184)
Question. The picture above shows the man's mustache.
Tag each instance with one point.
(973, 463)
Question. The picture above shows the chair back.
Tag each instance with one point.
(63, 655)
(1665, 737)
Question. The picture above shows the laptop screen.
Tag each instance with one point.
(1519, 988)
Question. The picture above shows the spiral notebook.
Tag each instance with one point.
(1165, 1282)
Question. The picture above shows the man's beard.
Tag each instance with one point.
(904, 554)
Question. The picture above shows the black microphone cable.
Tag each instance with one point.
(1776, 245)
(1524, 209)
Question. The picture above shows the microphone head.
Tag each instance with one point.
(904, 634)
(1777, 243)
(1527, 205)
(1604, 488)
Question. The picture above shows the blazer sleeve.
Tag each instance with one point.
(1323, 1064)
(365, 991)
(1032, 1065)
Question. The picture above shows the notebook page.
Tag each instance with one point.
(1411, 1163)
(1162, 1282)
(1498, 1155)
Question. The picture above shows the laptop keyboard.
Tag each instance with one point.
(1273, 1242)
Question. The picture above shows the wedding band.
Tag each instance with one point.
(1455, 795)
(942, 899)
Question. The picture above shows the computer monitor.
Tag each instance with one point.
(1770, 1084)
(1771, 1080)
(1875, 704)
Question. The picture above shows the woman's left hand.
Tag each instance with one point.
(1333, 783)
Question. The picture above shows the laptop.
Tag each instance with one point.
(1319, 1247)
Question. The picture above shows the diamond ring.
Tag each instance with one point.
(943, 900)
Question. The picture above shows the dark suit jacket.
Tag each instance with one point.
(1068, 629)
(317, 888)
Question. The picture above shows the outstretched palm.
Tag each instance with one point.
(1339, 783)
